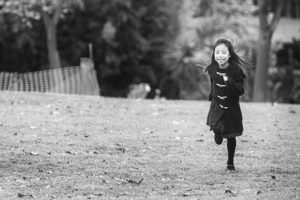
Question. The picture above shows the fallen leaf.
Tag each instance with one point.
(34, 153)
(185, 195)
(69, 152)
(121, 149)
(166, 187)
(54, 113)
(228, 192)
(258, 192)
(155, 114)
(135, 182)
(20, 195)
(175, 122)
(273, 177)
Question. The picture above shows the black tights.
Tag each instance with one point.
(231, 145)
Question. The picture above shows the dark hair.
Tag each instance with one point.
(234, 59)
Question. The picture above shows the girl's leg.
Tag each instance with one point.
(218, 136)
(231, 145)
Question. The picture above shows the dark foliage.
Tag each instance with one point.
(138, 33)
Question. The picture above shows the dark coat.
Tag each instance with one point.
(225, 112)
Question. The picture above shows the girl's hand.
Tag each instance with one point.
(225, 78)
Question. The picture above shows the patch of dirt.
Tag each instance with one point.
(82, 147)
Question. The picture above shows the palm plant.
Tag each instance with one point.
(184, 59)
(187, 64)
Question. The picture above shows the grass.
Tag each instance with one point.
(81, 147)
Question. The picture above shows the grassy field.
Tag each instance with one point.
(81, 147)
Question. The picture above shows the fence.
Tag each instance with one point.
(69, 80)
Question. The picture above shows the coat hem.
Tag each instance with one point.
(225, 134)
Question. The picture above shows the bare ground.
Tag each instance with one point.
(81, 147)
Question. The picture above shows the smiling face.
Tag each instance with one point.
(222, 54)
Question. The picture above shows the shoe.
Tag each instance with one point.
(231, 168)
(218, 139)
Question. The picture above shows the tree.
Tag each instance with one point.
(268, 20)
(225, 8)
(16, 38)
(129, 38)
(50, 21)
(50, 11)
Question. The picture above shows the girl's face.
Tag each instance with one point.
(222, 54)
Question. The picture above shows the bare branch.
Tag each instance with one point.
(277, 15)
(263, 13)
(57, 11)
(45, 16)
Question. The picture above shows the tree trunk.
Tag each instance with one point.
(50, 22)
(53, 55)
(297, 8)
(288, 9)
(267, 26)
(262, 66)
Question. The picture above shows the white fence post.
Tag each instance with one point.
(89, 83)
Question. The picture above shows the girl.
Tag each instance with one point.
(226, 76)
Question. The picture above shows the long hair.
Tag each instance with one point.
(234, 59)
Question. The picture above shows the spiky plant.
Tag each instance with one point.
(187, 62)
(185, 59)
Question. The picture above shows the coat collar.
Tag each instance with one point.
(230, 67)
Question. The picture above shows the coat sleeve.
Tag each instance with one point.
(211, 90)
(235, 84)
(209, 72)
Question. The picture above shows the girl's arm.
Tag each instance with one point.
(211, 90)
(208, 70)
(236, 86)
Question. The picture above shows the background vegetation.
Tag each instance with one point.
(134, 41)
(128, 38)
